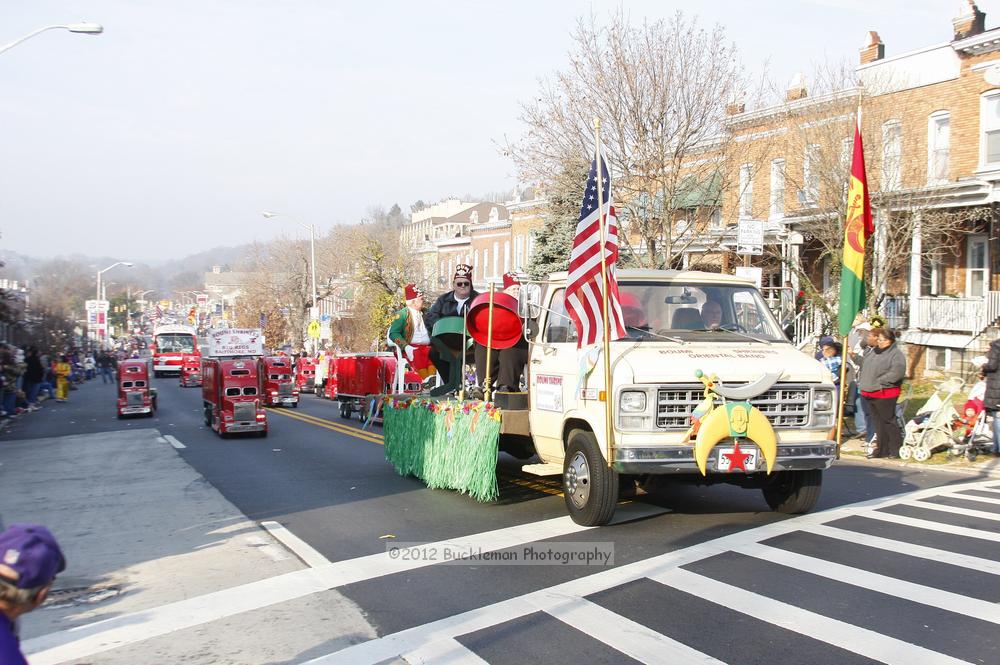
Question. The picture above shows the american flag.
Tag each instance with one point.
(158, 314)
(584, 292)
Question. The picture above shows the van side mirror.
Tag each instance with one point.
(529, 301)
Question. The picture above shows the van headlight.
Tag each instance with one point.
(822, 400)
(632, 401)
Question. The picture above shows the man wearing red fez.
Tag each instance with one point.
(409, 332)
(453, 303)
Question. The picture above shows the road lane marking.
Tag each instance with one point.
(973, 497)
(917, 593)
(173, 441)
(953, 510)
(442, 651)
(630, 637)
(161, 439)
(87, 640)
(910, 549)
(394, 644)
(296, 545)
(330, 425)
(943, 527)
(832, 631)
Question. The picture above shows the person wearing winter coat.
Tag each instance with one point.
(991, 398)
(881, 375)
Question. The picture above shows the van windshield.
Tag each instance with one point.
(689, 311)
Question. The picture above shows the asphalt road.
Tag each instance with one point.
(327, 481)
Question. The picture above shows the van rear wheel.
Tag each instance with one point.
(591, 486)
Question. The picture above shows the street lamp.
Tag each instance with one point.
(101, 272)
(84, 28)
(312, 253)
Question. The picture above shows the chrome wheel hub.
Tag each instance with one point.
(577, 480)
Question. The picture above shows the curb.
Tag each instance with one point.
(990, 469)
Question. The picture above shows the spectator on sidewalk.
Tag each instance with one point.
(30, 559)
(89, 366)
(107, 364)
(991, 398)
(12, 371)
(62, 370)
(882, 373)
(860, 341)
(34, 375)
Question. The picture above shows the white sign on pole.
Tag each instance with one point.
(756, 274)
(314, 313)
(750, 237)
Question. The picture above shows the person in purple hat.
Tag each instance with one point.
(30, 559)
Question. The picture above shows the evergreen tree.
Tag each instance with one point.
(554, 241)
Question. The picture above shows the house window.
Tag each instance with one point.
(938, 358)
(531, 245)
(810, 173)
(715, 220)
(777, 188)
(486, 264)
(892, 148)
(989, 125)
(518, 252)
(977, 274)
(496, 258)
(506, 256)
(932, 277)
(746, 191)
(938, 147)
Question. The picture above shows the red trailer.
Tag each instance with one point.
(361, 376)
(277, 386)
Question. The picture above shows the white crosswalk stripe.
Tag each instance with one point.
(439, 641)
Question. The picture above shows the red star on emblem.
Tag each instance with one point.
(737, 459)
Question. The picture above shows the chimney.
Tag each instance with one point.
(735, 108)
(796, 88)
(970, 21)
(873, 49)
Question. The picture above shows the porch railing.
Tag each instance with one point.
(969, 315)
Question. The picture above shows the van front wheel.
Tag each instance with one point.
(590, 485)
(794, 492)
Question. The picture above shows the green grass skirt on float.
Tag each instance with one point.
(446, 443)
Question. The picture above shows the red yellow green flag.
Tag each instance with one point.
(857, 228)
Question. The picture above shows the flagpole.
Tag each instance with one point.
(608, 396)
(841, 398)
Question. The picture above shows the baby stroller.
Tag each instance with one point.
(973, 435)
(931, 427)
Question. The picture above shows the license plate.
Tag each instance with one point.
(724, 461)
(289, 400)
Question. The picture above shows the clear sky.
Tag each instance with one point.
(174, 129)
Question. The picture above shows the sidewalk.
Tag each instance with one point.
(141, 529)
(985, 465)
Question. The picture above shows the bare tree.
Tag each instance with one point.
(661, 89)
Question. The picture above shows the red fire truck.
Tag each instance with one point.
(362, 376)
(191, 370)
(231, 382)
(170, 344)
(305, 374)
(135, 396)
(277, 386)
(330, 387)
